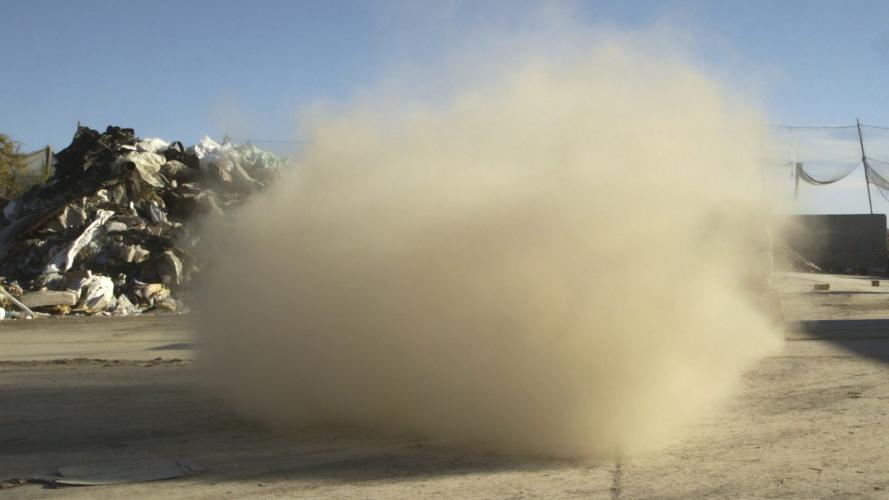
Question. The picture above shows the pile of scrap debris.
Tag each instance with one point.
(113, 230)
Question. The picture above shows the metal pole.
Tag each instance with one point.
(765, 200)
(17, 302)
(796, 165)
(870, 203)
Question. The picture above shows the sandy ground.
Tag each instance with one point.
(809, 422)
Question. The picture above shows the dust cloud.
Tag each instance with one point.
(557, 258)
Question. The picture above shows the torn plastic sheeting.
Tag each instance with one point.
(115, 227)
(210, 152)
(97, 294)
(151, 292)
(129, 471)
(153, 145)
(205, 146)
(228, 156)
(64, 259)
(174, 169)
(169, 268)
(147, 165)
(253, 157)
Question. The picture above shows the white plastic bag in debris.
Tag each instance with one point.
(148, 145)
(153, 145)
(254, 158)
(97, 294)
(210, 152)
(226, 157)
(147, 164)
(247, 156)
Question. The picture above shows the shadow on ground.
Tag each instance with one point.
(83, 413)
(864, 337)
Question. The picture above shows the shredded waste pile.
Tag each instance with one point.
(113, 230)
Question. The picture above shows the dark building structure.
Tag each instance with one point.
(841, 243)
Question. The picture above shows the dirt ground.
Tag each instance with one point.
(809, 422)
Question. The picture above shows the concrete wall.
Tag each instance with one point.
(841, 243)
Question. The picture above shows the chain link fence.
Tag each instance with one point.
(38, 168)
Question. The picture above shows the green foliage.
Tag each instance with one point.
(13, 168)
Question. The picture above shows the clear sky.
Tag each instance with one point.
(182, 69)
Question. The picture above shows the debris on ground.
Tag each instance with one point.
(113, 230)
(130, 471)
(118, 472)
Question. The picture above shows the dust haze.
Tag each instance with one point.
(557, 258)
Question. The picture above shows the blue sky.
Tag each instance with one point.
(181, 69)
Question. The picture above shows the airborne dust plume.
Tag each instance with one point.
(556, 259)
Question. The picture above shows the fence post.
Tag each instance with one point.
(870, 203)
